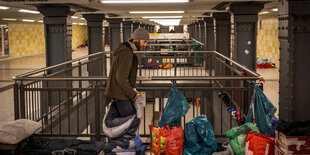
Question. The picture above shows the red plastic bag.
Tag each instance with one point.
(166, 140)
(257, 144)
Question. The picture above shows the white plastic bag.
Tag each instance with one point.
(140, 104)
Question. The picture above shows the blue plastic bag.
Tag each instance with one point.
(263, 109)
(199, 137)
(176, 107)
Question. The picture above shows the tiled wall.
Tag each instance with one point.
(79, 35)
(267, 39)
(28, 39)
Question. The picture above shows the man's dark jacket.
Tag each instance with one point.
(123, 73)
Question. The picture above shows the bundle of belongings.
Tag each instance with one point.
(264, 63)
(168, 138)
(151, 65)
(16, 138)
(55, 146)
(122, 131)
(14, 133)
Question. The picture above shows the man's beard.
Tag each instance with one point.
(138, 45)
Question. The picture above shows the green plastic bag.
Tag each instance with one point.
(176, 107)
(237, 135)
(263, 109)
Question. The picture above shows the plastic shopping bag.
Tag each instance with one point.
(263, 111)
(257, 144)
(166, 140)
(237, 135)
(199, 137)
(176, 107)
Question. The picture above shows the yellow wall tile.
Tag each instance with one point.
(28, 39)
(267, 40)
(79, 35)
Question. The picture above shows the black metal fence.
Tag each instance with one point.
(68, 98)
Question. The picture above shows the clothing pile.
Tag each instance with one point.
(264, 63)
(230, 107)
(121, 125)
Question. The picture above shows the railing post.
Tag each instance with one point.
(104, 65)
(210, 64)
(140, 69)
(175, 64)
(16, 101)
(80, 82)
(46, 100)
(97, 112)
(22, 100)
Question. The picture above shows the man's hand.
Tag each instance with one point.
(136, 97)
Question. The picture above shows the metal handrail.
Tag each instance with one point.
(198, 42)
(171, 44)
(174, 40)
(58, 65)
(24, 76)
(141, 78)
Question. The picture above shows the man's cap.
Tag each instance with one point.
(140, 34)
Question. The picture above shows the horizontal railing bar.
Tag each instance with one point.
(58, 65)
(146, 78)
(58, 88)
(65, 135)
(139, 87)
(19, 77)
(195, 88)
(172, 45)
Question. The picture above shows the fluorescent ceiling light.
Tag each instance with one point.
(11, 19)
(74, 23)
(81, 24)
(74, 17)
(146, 12)
(167, 22)
(274, 9)
(83, 18)
(28, 11)
(143, 1)
(28, 20)
(149, 17)
(4, 7)
(40, 21)
(264, 12)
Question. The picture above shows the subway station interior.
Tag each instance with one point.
(232, 62)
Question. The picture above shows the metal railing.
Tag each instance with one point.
(68, 98)
(174, 45)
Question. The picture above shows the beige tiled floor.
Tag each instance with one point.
(271, 87)
(10, 68)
